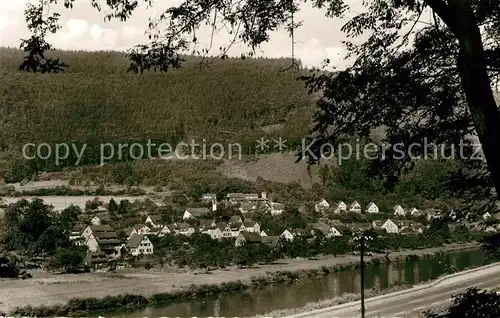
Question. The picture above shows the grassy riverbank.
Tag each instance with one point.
(60, 295)
(344, 299)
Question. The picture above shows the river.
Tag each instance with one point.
(298, 294)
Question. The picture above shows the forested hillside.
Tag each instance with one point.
(97, 100)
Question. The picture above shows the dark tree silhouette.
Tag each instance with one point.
(471, 304)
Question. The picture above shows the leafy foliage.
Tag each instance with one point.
(471, 304)
(34, 229)
(69, 260)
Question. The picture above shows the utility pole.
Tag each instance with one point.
(362, 273)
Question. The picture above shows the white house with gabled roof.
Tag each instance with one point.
(340, 207)
(355, 207)
(154, 220)
(139, 244)
(389, 226)
(414, 212)
(322, 205)
(372, 208)
(398, 210)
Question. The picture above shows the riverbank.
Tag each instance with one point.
(169, 285)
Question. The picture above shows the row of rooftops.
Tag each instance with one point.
(253, 237)
(106, 231)
(235, 222)
(356, 205)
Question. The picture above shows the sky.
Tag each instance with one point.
(84, 29)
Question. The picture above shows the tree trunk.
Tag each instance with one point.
(477, 87)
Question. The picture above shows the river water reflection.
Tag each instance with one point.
(298, 294)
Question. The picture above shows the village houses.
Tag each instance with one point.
(154, 221)
(291, 234)
(185, 229)
(101, 219)
(193, 213)
(277, 208)
(355, 207)
(340, 227)
(102, 238)
(139, 244)
(389, 226)
(398, 210)
(326, 230)
(322, 205)
(239, 198)
(414, 212)
(247, 238)
(340, 207)
(372, 208)
(208, 197)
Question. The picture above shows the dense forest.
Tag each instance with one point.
(96, 101)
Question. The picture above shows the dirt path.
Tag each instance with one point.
(46, 289)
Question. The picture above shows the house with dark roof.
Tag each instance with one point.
(139, 244)
(167, 229)
(276, 208)
(214, 232)
(238, 198)
(141, 228)
(418, 227)
(104, 240)
(235, 219)
(408, 231)
(154, 220)
(356, 227)
(414, 212)
(404, 224)
(247, 238)
(339, 207)
(208, 197)
(290, 235)
(322, 205)
(206, 224)
(130, 231)
(340, 227)
(225, 230)
(90, 229)
(185, 229)
(399, 210)
(251, 226)
(324, 229)
(76, 234)
(236, 228)
(101, 219)
(388, 225)
(96, 260)
(272, 241)
(354, 207)
(194, 213)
